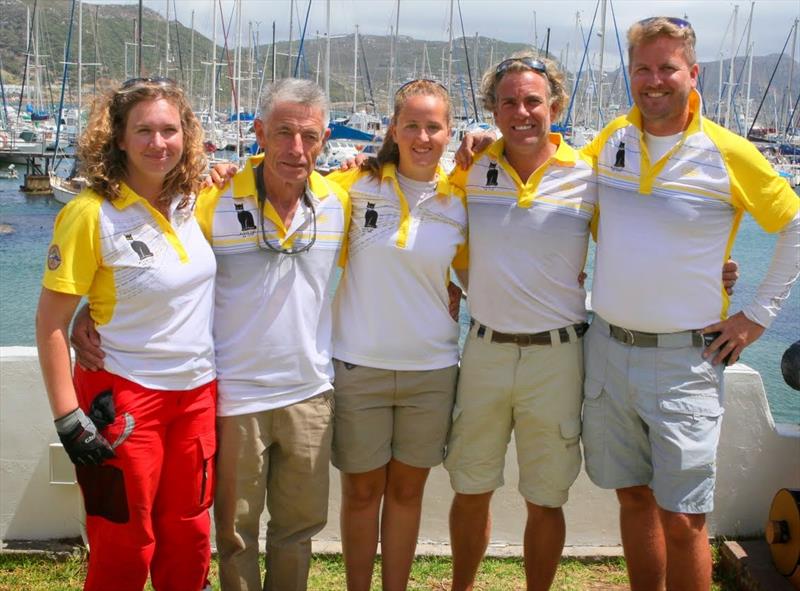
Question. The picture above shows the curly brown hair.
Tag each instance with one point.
(557, 87)
(104, 164)
(389, 152)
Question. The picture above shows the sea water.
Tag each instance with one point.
(26, 224)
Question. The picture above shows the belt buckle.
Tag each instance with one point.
(629, 338)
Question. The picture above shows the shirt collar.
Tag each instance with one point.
(244, 183)
(565, 154)
(128, 197)
(389, 171)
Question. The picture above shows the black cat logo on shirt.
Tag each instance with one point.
(370, 216)
(139, 247)
(491, 175)
(245, 218)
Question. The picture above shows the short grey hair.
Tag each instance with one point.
(294, 90)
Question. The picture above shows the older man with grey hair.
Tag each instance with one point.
(277, 230)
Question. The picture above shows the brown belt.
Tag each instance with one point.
(539, 338)
(652, 339)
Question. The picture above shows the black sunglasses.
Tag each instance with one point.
(681, 23)
(157, 80)
(410, 82)
(532, 63)
(262, 199)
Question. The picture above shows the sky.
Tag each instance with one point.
(510, 20)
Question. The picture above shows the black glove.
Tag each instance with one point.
(101, 412)
(82, 442)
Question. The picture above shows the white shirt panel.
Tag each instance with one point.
(524, 262)
(272, 320)
(660, 255)
(391, 309)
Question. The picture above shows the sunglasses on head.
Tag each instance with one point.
(412, 82)
(532, 63)
(158, 81)
(681, 23)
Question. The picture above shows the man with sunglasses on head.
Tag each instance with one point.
(529, 205)
(277, 229)
(672, 187)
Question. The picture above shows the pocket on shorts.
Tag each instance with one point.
(595, 355)
(687, 384)
(696, 406)
(566, 464)
(207, 447)
(592, 389)
(570, 429)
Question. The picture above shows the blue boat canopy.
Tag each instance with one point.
(342, 132)
(242, 117)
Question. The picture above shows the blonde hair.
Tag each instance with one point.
(389, 152)
(104, 164)
(650, 28)
(557, 88)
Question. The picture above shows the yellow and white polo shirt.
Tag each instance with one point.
(667, 227)
(391, 308)
(527, 239)
(149, 281)
(272, 313)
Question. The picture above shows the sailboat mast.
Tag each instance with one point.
(749, 49)
(600, 69)
(789, 90)
(166, 44)
(80, 66)
(393, 65)
(291, 26)
(139, 27)
(212, 115)
(238, 75)
(328, 51)
(355, 69)
(730, 70)
(450, 51)
(191, 60)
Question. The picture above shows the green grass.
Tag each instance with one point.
(430, 573)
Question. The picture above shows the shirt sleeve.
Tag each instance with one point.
(74, 255)
(345, 179)
(781, 275)
(757, 188)
(458, 178)
(205, 205)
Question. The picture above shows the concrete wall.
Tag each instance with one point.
(756, 458)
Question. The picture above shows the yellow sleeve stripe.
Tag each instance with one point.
(204, 208)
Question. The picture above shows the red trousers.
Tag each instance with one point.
(147, 508)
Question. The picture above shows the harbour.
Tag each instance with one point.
(760, 433)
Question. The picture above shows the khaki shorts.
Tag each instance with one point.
(536, 391)
(652, 416)
(383, 414)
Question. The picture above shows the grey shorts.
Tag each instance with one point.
(652, 416)
(383, 414)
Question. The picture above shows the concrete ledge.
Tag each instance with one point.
(751, 563)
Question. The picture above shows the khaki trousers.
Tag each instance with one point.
(280, 456)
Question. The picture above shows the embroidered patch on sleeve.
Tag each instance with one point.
(53, 258)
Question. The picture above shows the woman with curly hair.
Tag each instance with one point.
(140, 431)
